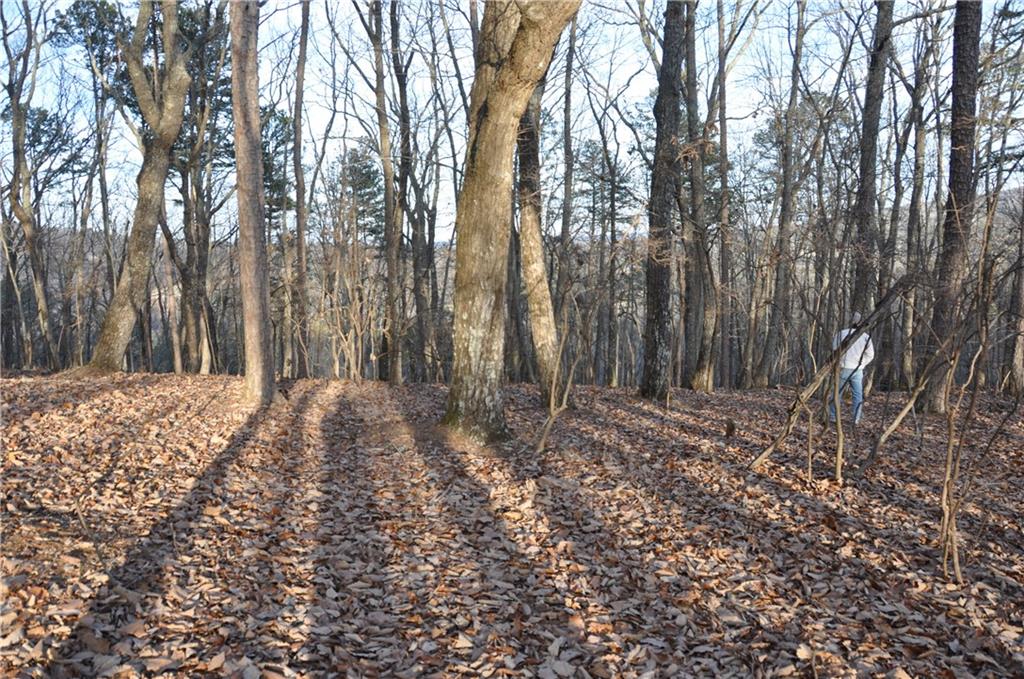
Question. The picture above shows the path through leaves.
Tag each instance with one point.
(151, 525)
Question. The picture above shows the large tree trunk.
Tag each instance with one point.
(865, 209)
(664, 181)
(301, 209)
(783, 261)
(252, 248)
(535, 277)
(516, 43)
(956, 228)
(164, 116)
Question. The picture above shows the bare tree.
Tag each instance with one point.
(531, 248)
(301, 208)
(515, 46)
(951, 267)
(781, 253)
(702, 302)
(865, 210)
(373, 24)
(664, 184)
(161, 97)
(22, 70)
(252, 249)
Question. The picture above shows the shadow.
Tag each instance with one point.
(756, 513)
(135, 590)
(580, 583)
(345, 533)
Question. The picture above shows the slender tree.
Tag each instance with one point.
(373, 24)
(724, 228)
(562, 281)
(865, 209)
(703, 297)
(252, 248)
(22, 68)
(781, 253)
(531, 248)
(301, 208)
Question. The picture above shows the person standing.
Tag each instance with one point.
(851, 367)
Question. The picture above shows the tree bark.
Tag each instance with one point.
(664, 181)
(301, 210)
(956, 228)
(783, 260)
(516, 43)
(535, 277)
(393, 214)
(865, 209)
(702, 377)
(252, 248)
(163, 115)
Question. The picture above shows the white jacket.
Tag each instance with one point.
(859, 354)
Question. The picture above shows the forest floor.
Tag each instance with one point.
(152, 525)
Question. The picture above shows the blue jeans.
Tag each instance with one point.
(855, 380)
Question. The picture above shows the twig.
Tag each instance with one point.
(906, 282)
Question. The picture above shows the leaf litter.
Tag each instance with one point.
(153, 526)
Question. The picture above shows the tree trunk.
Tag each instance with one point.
(535, 277)
(393, 216)
(164, 116)
(172, 313)
(916, 209)
(562, 281)
(664, 183)
(301, 210)
(956, 228)
(725, 247)
(783, 261)
(1016, 382)
(865, 209)
(516, 43)
(252, 249)
(702, 377)
(22, 67)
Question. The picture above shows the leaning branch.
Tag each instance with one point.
(901, 286)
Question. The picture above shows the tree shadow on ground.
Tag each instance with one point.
(626, 608)
(834, 539)
(136, 588)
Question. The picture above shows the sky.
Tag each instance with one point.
(610, 57)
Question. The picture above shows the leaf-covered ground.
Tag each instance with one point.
(152, 525)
